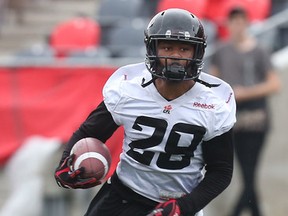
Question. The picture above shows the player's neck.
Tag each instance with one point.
(171, 90)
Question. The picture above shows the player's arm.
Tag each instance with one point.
(99, 125)
(218, 155)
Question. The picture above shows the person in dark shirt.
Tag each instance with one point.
(243, 63)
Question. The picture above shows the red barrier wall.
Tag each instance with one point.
(51, 102)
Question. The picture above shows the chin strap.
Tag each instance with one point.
(143, 84)
(209, 85)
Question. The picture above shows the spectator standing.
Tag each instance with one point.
(243, 63)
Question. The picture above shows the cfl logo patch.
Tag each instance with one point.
(167, 109)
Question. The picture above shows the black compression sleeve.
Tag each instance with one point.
(99, 125)
(218, 156)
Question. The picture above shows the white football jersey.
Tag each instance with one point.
(162, 155)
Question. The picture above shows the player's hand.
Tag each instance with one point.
(67, 178)
(169, 208)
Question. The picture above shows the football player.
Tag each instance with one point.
(177, 150)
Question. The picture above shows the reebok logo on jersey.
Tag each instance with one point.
(167, 109)
(204, 106)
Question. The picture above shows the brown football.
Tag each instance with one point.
(93, 155)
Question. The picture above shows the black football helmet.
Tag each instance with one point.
(177, 25)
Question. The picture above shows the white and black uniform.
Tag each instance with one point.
(167, 144)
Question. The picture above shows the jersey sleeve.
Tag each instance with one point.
(112, 95)
(114, 87)
(224, 117)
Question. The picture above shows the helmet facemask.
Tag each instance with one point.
(174, 71)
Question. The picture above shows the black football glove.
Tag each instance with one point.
(169, 208)
(67, 178)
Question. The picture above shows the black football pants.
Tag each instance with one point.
(109, 202)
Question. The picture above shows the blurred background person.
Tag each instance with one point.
(242, 62)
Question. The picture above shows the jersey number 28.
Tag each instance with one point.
(172, 147)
